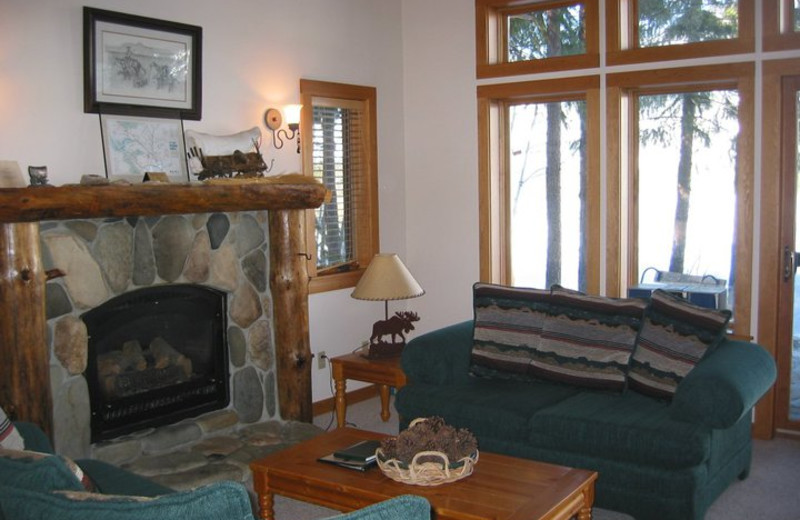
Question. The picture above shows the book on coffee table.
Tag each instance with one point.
(360, 455)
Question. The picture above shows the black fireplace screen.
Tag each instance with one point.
(156, 355)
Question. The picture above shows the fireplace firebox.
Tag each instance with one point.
(156, 355)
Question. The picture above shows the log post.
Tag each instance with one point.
(25, 388)
(289, 288)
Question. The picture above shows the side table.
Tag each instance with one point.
(385, 372)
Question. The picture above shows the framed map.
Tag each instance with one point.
(133, 146)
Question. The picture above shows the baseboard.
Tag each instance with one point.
(356, 396)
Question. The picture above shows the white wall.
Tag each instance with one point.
(254, 53)
(441, 157)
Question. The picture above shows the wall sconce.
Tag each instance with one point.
(274, 120)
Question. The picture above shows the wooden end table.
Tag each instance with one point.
(385, 373)
(500, 487)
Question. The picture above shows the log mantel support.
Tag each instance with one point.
(288, 281)
(25, 379)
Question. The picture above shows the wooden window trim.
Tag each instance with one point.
(621, 194)
(491, 44)
(367, 233)
(492, 159)
(621, 29)
(779, 33)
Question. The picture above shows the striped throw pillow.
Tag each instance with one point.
(675, 336)
(10, 438)
(588, 340)
(508, 326)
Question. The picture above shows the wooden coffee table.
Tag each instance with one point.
(501, 487)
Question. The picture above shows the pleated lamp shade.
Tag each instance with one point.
(386, 278)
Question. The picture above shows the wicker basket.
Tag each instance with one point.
(428, 473)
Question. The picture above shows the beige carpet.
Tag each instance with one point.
(771, 492)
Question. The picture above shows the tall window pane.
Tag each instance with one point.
(546, 33)
(687, 185)
(796, 15)
(547, 195)
(673, 22)
(336, 160)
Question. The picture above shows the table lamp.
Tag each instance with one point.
(386, 278)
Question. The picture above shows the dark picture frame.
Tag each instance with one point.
(141, 66)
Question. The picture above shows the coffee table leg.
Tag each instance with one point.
(266, 502)
(385, 413)
(588, 499)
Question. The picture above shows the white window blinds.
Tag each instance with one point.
(338, 162)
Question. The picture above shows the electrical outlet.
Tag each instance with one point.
(322, 360)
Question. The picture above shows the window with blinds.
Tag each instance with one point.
(337, 163)
(340, 150)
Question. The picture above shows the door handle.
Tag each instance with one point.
(791, 259)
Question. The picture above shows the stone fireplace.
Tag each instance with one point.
(113, 260)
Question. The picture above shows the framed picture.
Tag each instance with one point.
(141, 66)
(133, 146)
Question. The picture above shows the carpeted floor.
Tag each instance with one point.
(771, 492)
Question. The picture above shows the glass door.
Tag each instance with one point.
(788, 387)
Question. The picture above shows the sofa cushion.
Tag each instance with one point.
(508, 326)
(30, 470)
(587, 340)
(487, 407)
(675, 336)
(10, 438)
(219, 501)
(626, 427)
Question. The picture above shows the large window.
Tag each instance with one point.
(683, 176)
(339, 150)
(540, 196)
(547, 193)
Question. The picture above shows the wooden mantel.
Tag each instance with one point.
(24, 377)
(70, 202)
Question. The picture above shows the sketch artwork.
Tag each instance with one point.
(143, 66)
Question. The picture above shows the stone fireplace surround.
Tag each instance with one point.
(25, 334)
(108, 257)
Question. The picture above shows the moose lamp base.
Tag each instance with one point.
(384, 350)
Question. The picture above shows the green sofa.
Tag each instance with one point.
(35, 484)
(657, 457)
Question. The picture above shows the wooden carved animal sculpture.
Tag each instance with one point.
(397, 325)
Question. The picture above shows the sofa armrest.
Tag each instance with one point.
(725, 386)
(440, 356)
(35, 439)
(403, 507)
(112, 480)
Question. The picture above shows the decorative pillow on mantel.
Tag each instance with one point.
(508, 326)
(588, 340)
(675, 336)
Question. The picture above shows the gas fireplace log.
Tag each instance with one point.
(25, 385)
(289, 287)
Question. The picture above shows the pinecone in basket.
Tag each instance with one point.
(430, 434)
